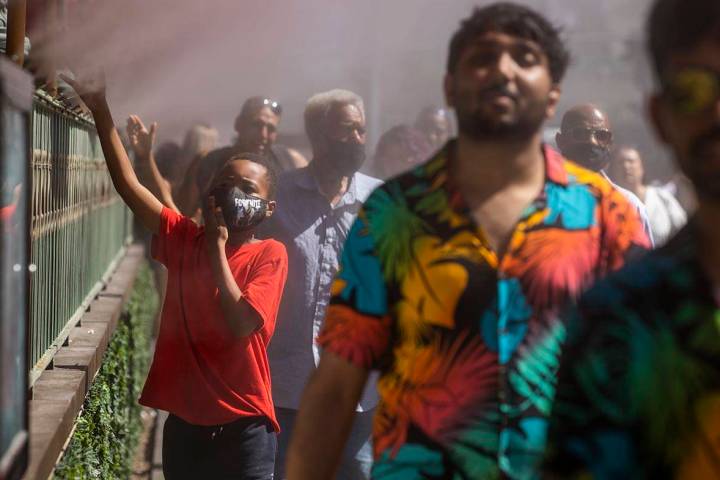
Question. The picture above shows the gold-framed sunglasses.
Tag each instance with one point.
(603, 136)
(692, 90)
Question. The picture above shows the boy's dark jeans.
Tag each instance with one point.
(244, 449)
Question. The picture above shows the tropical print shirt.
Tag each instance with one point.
(466, 342)
(639, 390)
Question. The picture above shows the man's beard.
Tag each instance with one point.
(483, 126)
(587, 155)
(706, 182)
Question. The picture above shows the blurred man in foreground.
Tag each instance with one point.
(639, 392)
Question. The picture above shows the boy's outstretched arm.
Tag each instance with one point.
(142, 142)
(144, 204)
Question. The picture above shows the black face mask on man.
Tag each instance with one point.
(590, 156)
(240, 210)
(346, 157)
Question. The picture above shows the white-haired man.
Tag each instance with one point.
(317, 206)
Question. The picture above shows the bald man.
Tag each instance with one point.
(586, 137)
(434, 123)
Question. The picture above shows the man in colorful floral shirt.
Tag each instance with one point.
(451, 274)
(639, 390)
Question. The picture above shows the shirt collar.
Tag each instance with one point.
(306, 180)
(554, 162)
(555, 166)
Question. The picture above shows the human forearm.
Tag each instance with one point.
(241, 317)
(118, 163)
(135, 195)
(325, 419)
(154, 181)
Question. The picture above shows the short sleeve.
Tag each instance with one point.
(678, 217)
(266, 282)
(175, 230)
(357, 327)
(624, 235)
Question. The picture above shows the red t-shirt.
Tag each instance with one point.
(201, 372)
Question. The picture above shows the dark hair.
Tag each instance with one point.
(516, 20)
(675, 25)
(271, 174)
(167, 157)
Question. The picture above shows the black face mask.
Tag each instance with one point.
(240, 210)
(587, 155)
(346, 157)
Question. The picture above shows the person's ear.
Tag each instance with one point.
(553, 100)
(320, 146)
(449, 89)
(272, 204)
(560, 140)
(658, 113)
(238, 124)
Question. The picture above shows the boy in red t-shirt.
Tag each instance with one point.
(210, 368)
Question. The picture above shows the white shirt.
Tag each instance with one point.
(665, 214)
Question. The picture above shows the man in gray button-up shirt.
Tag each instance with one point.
(316, 207)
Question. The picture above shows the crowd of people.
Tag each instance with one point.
(494, 307)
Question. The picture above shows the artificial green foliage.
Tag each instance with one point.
(108, 428)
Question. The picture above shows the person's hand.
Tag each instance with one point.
(215, 228)
(141, 139)
(90, 87)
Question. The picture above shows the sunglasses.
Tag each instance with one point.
(603, 136)
(692, 90)
(273, 105)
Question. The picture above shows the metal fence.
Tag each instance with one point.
(80, 226)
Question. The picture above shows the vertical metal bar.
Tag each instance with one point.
(51, 19)
(17, 17)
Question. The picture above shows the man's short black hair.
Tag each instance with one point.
(263, 160)
(516, 20)
(676, 25)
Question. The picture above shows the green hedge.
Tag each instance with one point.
(108, 428)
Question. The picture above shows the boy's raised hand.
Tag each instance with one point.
(91, 87)
(142, 140)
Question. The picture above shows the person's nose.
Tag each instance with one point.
(357, 136)
(501, 71)
(264, 134)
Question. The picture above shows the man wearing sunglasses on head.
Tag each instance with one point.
(585, 137)
(257, 129)
(639, 387)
